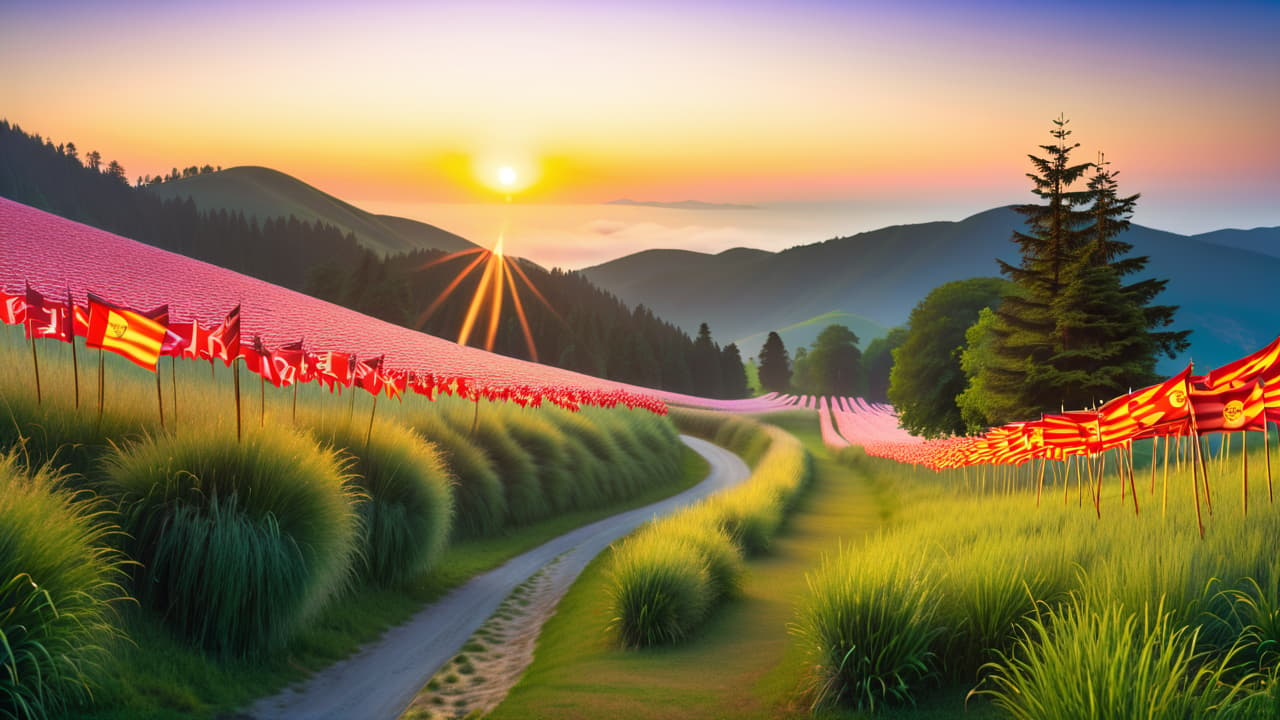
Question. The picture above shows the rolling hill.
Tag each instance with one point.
(264, 193)
(882, 274)
(803, 333)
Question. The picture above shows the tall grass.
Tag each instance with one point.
(997, 565)
(240, 543)
(58, 582)
(1093, 656)
(746, 518)
(526, 501)
(407, 508)
(480, 502)
(661, 589)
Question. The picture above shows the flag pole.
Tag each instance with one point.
(1204, 468)
(235, 373)
(1164, 499)
(262, 401)
(1040, 486)
(1133, 488)
(1266, 450)
(369, 435)
(101, 384)
(173, 378)
(159, 399)
(1195, 482)
(1244, 457)
(295, 402)
(75, 368)
(35, 360)
(1155, 445)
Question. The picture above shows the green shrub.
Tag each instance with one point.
(548, 447)
(869, 625)
(526, 502)
(58, 581)
(1097, 658)
(715, 548)
(239, 542)
(408, 506)
(660, 590)
(480, 504)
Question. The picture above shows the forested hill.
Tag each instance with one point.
(882, 274)
(586, 329)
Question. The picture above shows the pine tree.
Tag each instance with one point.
(1071, 333)
(732, 373)
(775, 365)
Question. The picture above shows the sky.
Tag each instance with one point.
(931, 107)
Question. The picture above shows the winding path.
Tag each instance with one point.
(380, 680)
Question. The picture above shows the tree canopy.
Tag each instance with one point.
(775, 365)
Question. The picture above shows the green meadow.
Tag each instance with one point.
(177, 570)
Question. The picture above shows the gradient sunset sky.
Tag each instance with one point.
(917, 103)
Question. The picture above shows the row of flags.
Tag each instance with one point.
(144, 336)
(1242, 395)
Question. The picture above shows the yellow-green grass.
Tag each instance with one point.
(240, 541)
(407, 508)
(59, 584)
(741, 663)
(661, 584)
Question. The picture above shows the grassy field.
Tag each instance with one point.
(267, 557)
(938, 581)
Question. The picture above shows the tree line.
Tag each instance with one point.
(585, 328)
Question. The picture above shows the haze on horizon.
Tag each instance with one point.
(929, 107)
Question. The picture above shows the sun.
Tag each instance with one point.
(507, 176)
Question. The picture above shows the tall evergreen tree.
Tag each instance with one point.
(706, 363)
(1019, 380)
(775, 365)
(1072, 333)
(733, 373)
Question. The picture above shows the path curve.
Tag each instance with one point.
(382, 679)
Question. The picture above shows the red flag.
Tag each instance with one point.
(1227, 408)
(1247, 368)
(13, 309)
(288, 364)
(223, 342)
(1163, 403)
(332, 368)
(368, 375)
(1072, 433)
(46, 318)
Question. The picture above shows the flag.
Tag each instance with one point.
(368, 375)
(13, 309)
(1071, 433)
(1240, 372)
(46, 318)
(125, 332)
(1227, 408)
(198, 340)
(1166, 402)
(223, 343)
(331, 368)
(180, 339)
(289, 364)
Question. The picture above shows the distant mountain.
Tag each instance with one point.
(1259, 240)
(265, 193)
(882, 274)
(681, 204)
(802, 334)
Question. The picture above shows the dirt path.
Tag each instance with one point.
(382, 679)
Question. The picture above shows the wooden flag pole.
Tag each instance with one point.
(262, 401)
(369, 435)
(1044, 462)
(75, 368)
(1097, 493)
(1133, 488)
(1266, 451)
(295, 403)
(1244, 457)
(1195, 483)
(235, 374)
(1164, 493)
(1204, 469)
(173, 380)
(101, 385)
(35, 360)
(1155, 445)
(159, 399)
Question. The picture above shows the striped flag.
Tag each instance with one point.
(1240, 372)
(125, 332)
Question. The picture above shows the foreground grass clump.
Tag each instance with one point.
(239, 543)
(747, 517)
(1118, 664)
(870, 628)
(407, 508)
(58, 581)
(661, 588)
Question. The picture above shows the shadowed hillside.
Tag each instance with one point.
(881, 274)
(265, 193)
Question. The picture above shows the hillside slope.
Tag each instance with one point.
(264, 193)
(882, 274)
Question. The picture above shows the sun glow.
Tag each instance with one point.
(507, 177)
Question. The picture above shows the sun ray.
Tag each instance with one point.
(444, 295)
(524, 321)
(495, 307)
(534, 289)
(477, 300)
(451, 256)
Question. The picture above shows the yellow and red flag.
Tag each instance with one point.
(125, 332)
(1164, 403)
(1240, 372)
(1227, 408)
